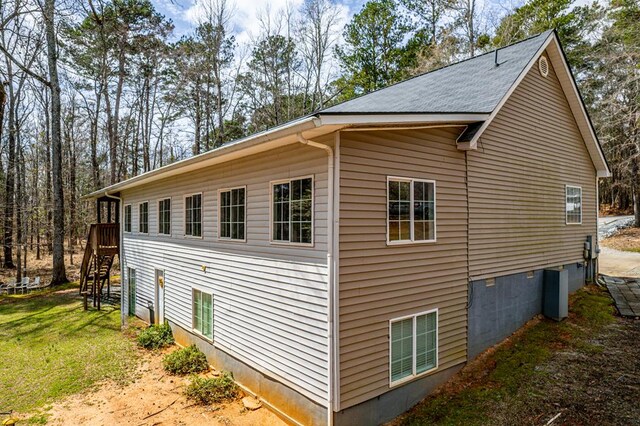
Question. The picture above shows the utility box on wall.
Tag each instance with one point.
(555, 299)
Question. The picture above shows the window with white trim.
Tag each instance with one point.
(231, 223)
(292, 211)
(164, 216)
(143, 218)
(414, 346)
(573, 207)
(203, 313)
(127, 218)
(193, 215)
(411, 210)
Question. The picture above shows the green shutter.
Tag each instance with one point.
(401, 349)
(426, 339)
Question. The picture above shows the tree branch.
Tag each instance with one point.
(23, 68)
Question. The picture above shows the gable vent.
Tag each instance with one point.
(543, 65)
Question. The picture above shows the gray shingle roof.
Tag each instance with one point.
(475, 85)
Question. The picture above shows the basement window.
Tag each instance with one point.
(292, 211)
(193, 215)
(232, 214)
(127, 218)
(573, 207)
(414, 346)
(143, 218)
(203, 313)
(411, 210)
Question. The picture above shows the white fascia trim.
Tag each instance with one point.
(214, 156)
(589, 136)
(387, 119)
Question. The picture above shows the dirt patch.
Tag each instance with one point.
(625, 240)
(153, 398)
(42, 267)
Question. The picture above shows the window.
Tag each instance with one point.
(127, 218)
(164, 216)
(143, 216)
(573, 205)
(203, 313)
(292, 211)
(411, 210)
(414, 345)
(231, 223)
(193, 215)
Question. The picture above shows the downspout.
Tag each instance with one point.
(332, 294)
(124, 287)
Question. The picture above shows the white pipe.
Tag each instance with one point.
(330, 267)
(123, 288)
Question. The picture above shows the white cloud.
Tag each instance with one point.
(245, 16)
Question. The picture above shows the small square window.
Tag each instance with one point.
(411, 210)
(292, 211)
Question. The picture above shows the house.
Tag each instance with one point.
(344, 264)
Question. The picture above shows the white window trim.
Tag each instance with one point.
(148, 215)
(413, 374)
(313, 212)
(236, 240)
(124, 219)
(411, 212)
(193, 317)
(184, 214)
(170, 219)
(566, 213)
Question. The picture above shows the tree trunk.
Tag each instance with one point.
(18, 217)
(59, 275)
(47, 164)
(9, 195)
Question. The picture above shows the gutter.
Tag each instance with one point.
(331, 266)
(306, 123)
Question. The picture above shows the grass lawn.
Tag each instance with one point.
(486, 391)
(51, 348)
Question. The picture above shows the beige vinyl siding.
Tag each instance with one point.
(270, 301)
(379, 282)
(517, 179)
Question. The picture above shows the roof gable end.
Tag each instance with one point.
(559, 62)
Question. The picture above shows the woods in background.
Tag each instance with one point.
(96, 91)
